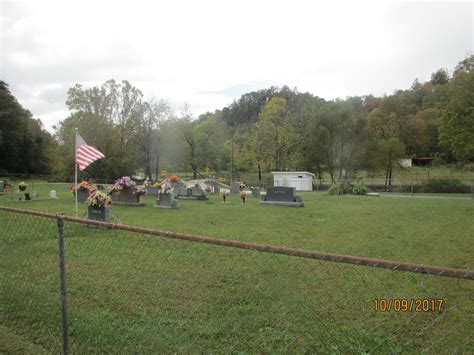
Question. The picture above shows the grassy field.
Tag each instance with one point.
(138, 293)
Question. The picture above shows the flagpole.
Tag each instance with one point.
(75, 170)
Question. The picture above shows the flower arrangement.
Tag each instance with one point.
(242, 196)
(98, 199)
(207, 188)
(157, 185)
(22, 186)
(140, 190)
(166, 187)
(174, 178)
(224, 195)
(83, 185)
(126, 182)
(147, 183)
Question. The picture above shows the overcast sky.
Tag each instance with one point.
(208, 53)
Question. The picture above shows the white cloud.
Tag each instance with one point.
(196, 51)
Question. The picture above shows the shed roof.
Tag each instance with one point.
(292, 172)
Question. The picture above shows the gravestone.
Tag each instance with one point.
(183, 192)
(256, 192)
(101, 214)
(2, 187)
(216, 189)
(126, 197)
(82, 195)
(152, 190)
(166, 200)
(52, 194)
(175, 184)
(282, 195)
(195, 193)
(235, 188)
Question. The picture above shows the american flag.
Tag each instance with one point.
(86, 154)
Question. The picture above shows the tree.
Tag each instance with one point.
(440, 77)
(109, 118)
(191, 138)
(464, 66)
(25, 146)
(274, 131)
(148, 135)
(456, 131)
(386, 147)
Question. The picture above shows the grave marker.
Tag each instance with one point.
(235, 188)
(166, 200)
(282, 195)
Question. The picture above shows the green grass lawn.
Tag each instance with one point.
(139, 293)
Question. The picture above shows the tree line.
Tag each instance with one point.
(270, 129)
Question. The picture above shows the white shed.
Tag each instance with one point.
(300, 180)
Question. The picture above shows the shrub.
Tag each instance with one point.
(444, 185)
(339, 188)
(358, 188)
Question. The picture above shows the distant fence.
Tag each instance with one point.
(130, 289)
(416, 183)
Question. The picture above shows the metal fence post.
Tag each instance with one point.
(62, 273)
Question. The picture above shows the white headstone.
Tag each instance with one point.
(52, 194)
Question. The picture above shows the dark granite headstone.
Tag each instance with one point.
(256, 191)
(82, 195)
(101, 214)
(2, 187)
(126, 197)
(166, 201)
(235, 188)
(152, 190)
(217, 189)
(282, 195)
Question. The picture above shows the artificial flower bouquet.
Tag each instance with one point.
(83, 186)
(174, 178)
(98, 199)
(126, 182)
(166, 187)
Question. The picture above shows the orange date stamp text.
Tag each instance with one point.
(410, 305)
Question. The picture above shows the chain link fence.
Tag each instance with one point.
(140, 290)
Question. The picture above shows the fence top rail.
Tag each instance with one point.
(350, 259)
